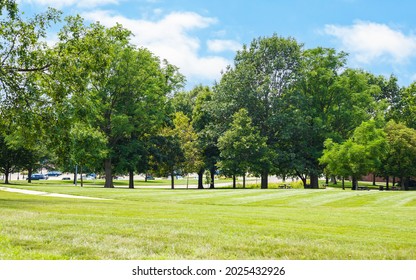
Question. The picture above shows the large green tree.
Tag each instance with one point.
(262, 73)
(25, 61)
(328, 101)
(114, 87)
(193, 104)
(207, 128)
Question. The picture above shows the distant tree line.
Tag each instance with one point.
(96, 101)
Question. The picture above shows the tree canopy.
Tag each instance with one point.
(95, 100)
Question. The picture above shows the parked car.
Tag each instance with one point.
(54, 173)
(89, 176)
(38, 177)
(92, 176)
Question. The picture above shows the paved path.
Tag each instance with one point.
(48, 194)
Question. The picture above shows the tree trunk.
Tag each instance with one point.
(354, 183)
(326, 180)
(244, 180)
(76, 175)
(402, 183)
(131, 179)
(212, 173)
(201, 179)
(303, 178)
(6, 175)
(314, 181)
(394, 181)
(82, 179)
(172, 179)
(343, 183)
(405, 185)
(387, 182)
(334, 180)
(304, 182)
(374, 179)
(108, 174)
(29, 174)
(234, 184)
(264, 180)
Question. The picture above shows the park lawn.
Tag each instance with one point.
(207, 224)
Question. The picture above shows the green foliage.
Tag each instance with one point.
(9, 158)
(165, 153)
(242, 149)
(399, 161)
(23, 56)
(263, 73)
(88, 145)
(406, 109)
(185, 101)
(289, 185)
(114, 87)
(10, 6)
(188, 142)
(296, 184)
(359, 155)
(328, 102)
(25, 107)
(270, 113)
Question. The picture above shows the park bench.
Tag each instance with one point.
(284, 186)
(362, 188)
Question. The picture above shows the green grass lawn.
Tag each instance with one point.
(207, 224)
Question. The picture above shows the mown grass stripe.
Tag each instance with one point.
(208, 224)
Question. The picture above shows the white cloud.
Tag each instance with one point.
(59, 4)
(371, 42)
(170, 38)
(223, 45)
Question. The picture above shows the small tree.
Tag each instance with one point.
(400, 160)
(188, 143)
(359, 155)
(88, 146)
(9, 159)
(242, 148)
(165, 154)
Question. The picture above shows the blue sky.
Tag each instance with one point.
(201, 37)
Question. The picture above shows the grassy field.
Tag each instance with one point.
(156, 223)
